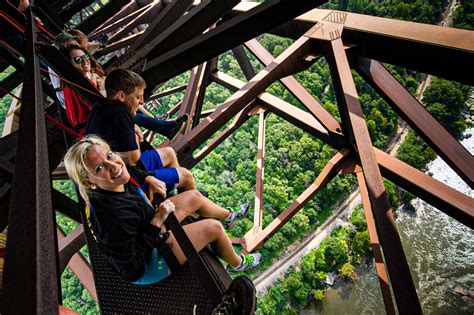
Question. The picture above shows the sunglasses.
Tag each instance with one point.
(80, 59)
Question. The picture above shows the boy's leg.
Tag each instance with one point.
(163, 127)
(160, 161)
(168, 157)
(186, 179)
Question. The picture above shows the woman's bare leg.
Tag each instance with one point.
(192, 201)
(207, 232)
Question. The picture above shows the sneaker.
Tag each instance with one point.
(238, 299)
(249, 261)
(164, 116)
(235, 215)
(180, 124)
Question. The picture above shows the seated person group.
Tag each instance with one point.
(128, 229)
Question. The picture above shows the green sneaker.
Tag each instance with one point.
(235, 215)
(249, 261)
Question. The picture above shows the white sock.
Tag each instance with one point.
(242, 260)
(230, 216)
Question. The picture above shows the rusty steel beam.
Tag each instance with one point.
(11, 119)
(288, 61)
(122, 43)
(69, 245)
(125, 21)
(439, 195)
(252, 241)
(65, 205)
(425, 125)
(102, 15)
(421, 47)
(11, 56)
(201, 94)
(148, 14)
(224, 37)
(11, 82)
(206, 113)
(142, 45)
(298, 91)
(174, 109)
(374, 239)
(194, 93)
(244, 62)
(355, 127)
(80, 267)
(195, 22)
(168, 92)
(239, 120)
(259, 187)
(291, 113)
(30, 279)
(126, 10)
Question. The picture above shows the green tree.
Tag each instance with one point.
(347, 270)
(318, 294)
(361, 244)
(335, 252)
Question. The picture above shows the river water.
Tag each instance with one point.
(439, 250)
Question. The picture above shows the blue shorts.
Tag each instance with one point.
(152, 161)
(155, 270)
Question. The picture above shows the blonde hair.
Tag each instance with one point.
(74, 161)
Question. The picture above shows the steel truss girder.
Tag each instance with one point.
(356, 130)
(122, 43)
(195, 22)
(137, 15)
(297, 90)
(163, 21)
(244, 62)
(441, 196)
(374, 239)
(421, 47)
(288, 61)
(145, 15)
(259, 177)
(78, 264)
(11, 82)
(224, 37)
(127, 9)
(30, 280)
(425, 125)
(190, 161)
(291, 113)
(255, 238)
(194, 96)
(102, 15)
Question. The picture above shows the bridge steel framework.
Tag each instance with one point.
(189, 36)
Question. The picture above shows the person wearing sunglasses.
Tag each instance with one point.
(77, 108)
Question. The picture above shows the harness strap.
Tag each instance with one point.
(160, 243)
